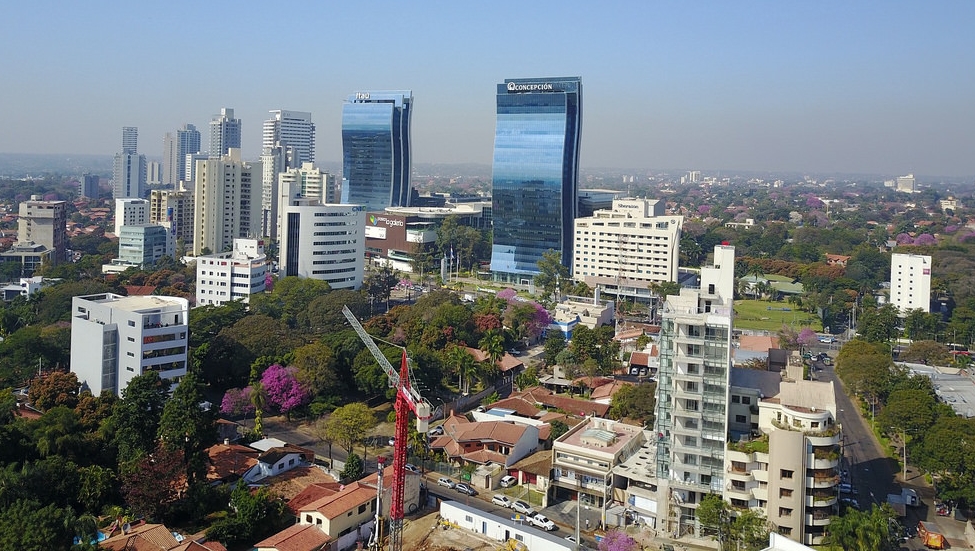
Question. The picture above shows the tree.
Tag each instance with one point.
(135, 418)
(255, 515)
(878, 324)
(353, 468)
(616, 540)
(316, 368)
(8, 405)
(636, 402)
(714, 515)
(746, 530)
(57, 433)
(859, 530)
(353, 423)
(237, 401)
(379, 285)
(30, 526)
(54, 388)
(558, 429)
(97, 489)
(554, 344)
(153, 486)
(284, 392)
(553, 276)
(527, 378)
(326, 430)
(185, 425)
(928, 352)
(919, 324)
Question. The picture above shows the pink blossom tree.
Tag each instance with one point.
(806, 337)
(615, 540)
(507, 294)
(284, 392)
(925, 239)
(904, 239)
(237, 401)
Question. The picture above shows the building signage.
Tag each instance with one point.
(362, 95)
(539, 87)
(388, 222)
(373, 232)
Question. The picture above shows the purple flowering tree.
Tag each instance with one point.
(904, 239)
(237, 401)
(925, 239)
(813, 202)
(806, 337)
(284, 392)
(618, 541)
(703, 209)
(507, 294)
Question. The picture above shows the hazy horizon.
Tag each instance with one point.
(861, 88)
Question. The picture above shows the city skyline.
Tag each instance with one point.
(829, 87)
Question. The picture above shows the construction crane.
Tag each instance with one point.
(407, 399)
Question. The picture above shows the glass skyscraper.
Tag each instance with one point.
(536, 173)
(376, 149)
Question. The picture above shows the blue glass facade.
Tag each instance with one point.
(376, 149)
(536, 173)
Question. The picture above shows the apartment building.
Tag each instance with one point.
(234, 275)
(910, 282)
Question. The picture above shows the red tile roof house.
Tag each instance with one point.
(482, 442)
(340, 519)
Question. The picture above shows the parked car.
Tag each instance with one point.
(465, 489)
(508, 481)
(436, 431)
(541, 521)
(520, 506)
(412, 468)
(444, 481)
(501, 500)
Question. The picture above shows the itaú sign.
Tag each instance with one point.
(515, 87)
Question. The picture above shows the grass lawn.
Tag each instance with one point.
(757, 315)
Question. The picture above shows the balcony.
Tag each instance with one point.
(817, 519)
(816, 463)
(822, 482)
(825, 500)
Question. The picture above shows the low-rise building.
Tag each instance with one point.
(233, 275)
(483, 442)
(115, 339)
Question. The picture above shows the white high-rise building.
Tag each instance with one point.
(115, 339)
(907, 184)
(234, 275)
(292, 129)
(130, 211)
(224, 133)
(910, 282)
(691, 421)
(274, 160)
(307, 182)
(129, 170)
(324, 242)
(175, 149)
(226, 201)
(626, 249)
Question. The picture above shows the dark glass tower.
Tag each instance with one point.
(536, 173)
(376, 149)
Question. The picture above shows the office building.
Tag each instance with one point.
(910, 282)
(292, 129)
(173, 209)
(323, 242)
(115, 339)
(906, 184)
(175, 149)
(129, 170)
(88, 186)
(224, 133)
(190, 167)
(234, 275)
(376, 149)
(143, 245)
(536, 173)
(691, 418)
(130, 140)
(153, 173)
(44, 223)
(626, 250)
(306, 182)
(130, 212)
(226, 202)
(274, 161)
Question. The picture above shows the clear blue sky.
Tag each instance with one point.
(865, 87)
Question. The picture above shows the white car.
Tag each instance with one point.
(412, 468)
(436, 431)
(541, 521)
(444, 481)
(508, 481)
(521, 507)
(501, 500)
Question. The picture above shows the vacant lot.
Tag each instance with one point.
(771, 316)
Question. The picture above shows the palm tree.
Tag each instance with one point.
(468, 369)
(456, 357)
(259, 399)
(493, 345)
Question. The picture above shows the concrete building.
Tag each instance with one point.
(306, 182)
(226, 201)
(910, 282)
(234, 275)
(784, 458)
(274, 160)
(224, 133)
(324, 242)
(129, 170)
(30, 256)
(585, 458)
(691, 418)
(174, 210)
(176, 147)
(115, 339)
(153, 173)
(292, 129)
(906, 184)
(626, 250)
(130, 211)
(503, 529)
(144, 244)
(88, 186)
(44, 223)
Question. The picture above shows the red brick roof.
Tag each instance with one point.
(229, 461)
(299, 537)
(311, 494)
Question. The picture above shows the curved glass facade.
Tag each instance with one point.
(536, 173)
(376, 149)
